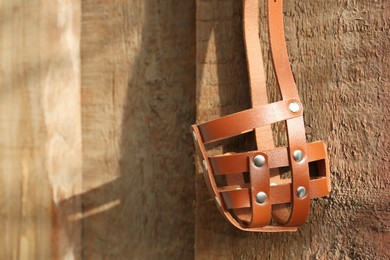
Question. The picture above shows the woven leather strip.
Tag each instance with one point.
(247, 120)
(237, 199)
(259, 182)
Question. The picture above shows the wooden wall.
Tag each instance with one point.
(40, 128)
(339, 55)
(138, 100)
(96, 100)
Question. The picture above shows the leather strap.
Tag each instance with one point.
(295, 127)
(256, 75)
(247, 120)
(259, 182)
(278, 46)
(238, 200)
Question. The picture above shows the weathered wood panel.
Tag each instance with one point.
(138, 100)
(339, 54)
(40, 128)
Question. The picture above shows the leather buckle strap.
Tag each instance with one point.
(253, 191)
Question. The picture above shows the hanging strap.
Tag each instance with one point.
(288, 89)
(295, 127)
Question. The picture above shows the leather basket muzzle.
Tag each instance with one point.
(253, 196)
(240, 200)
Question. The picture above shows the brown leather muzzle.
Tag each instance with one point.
(253, 193)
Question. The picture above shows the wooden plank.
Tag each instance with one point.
(40, 128)
(138, 101)
(340, 62)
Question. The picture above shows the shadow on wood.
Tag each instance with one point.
(139, 100)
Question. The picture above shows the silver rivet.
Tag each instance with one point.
(301, 192)
(298, 155)
(261, 197)
(294, 107)
(194, 136)
(259, 160)
(205, 168)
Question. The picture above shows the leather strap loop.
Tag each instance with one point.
(295, 127)
(299, 173)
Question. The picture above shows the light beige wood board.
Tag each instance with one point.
(40, 129)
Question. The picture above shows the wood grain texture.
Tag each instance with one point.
(339, 55)
(40, 128)
(138, 100)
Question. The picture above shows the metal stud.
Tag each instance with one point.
(205, 168)
(194, 136)
(301, 192)
(294, 107)
(298, 155)
(259, 160)
(261, 197)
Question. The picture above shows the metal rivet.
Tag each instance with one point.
(194, 136)
(259, 160)
(261, 197)
(205, 168)
(301, 192)
(298, 155)
(294, 107)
